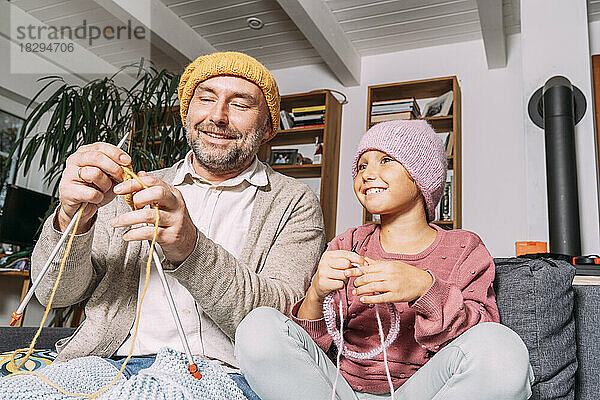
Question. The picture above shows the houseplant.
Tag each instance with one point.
(102, 111)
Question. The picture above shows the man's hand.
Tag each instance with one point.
(90, 175)
(329, 277)
(389, 282)
(176, 232)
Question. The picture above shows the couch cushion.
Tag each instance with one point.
(535, 299)
(587, 322)
(18, 337)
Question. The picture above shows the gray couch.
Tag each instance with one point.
(559, 323)
(587, 324)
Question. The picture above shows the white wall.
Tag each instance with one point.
(555, 41)
(493, 149)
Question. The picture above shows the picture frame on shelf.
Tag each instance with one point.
(440, 106)
(284, 157)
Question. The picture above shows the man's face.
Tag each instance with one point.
(226, 123)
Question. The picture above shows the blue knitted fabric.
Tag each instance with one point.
(167, 379)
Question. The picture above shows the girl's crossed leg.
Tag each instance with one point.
(280, 360)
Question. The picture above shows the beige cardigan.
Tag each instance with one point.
(282, 249)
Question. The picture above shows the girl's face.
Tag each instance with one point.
(383, 186)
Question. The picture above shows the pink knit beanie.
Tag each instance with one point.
(416, 146)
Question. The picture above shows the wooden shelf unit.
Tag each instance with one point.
(427, 89)
(25, 280)
(329, 135)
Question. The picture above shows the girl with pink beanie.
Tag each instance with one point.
(430, 290)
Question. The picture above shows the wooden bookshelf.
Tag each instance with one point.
(429, 89)
(329, 135)
(25, 280)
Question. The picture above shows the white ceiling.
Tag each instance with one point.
(294, 30)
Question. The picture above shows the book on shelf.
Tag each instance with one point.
(411, 100)
(395, 106)
(450, 144)
(308, 117)
(286, 120)
(309, 122)
(446, 208)
(392, 117)
(389, 110)
(316, 125)
(393, 101)
(308, 109)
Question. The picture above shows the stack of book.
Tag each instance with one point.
(391, 110)
(445, 210)
(302, 117)
(308, 116)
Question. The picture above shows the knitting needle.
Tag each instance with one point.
(16, 316)
(193, 368)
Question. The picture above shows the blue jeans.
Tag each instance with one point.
(488, 361)
(136, 364)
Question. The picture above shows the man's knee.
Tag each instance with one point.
(499, 357)
(257, 336)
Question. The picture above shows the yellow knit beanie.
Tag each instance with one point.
(232, 64)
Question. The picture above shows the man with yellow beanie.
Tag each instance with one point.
(234, 234)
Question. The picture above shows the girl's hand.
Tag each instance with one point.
(389, 282)
(329, 277)
(330, 273)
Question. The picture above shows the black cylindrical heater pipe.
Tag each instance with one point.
(561, 169)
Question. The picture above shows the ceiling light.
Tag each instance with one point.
(255, 23)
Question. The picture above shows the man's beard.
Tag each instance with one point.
(218, 159)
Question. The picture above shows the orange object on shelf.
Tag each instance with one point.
(527, 247)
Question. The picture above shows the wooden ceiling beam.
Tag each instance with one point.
(492, 30)
(168, 32)
(321, 29)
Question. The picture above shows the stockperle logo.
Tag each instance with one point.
(83, 46)
(91, 33)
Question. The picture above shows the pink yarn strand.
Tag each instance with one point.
(338, 338)
(385, 361)
(339, 353)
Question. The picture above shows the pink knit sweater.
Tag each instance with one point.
(460, 297)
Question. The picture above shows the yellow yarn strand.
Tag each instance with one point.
(29, 350)
(127, 174)
(130, 174)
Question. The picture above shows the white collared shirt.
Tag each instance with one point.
(222, 213)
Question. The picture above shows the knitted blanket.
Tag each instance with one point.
(167, 379)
